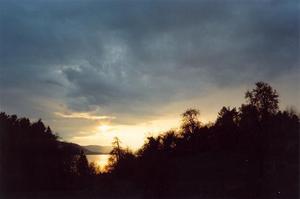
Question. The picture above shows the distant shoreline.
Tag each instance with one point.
(96, 153)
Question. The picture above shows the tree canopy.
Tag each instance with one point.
(264, 98)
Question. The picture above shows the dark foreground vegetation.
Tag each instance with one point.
(249, 152)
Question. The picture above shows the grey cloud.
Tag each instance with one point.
(135, 57)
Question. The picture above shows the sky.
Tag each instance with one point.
(93, 70)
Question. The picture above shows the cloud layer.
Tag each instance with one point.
(131, 60)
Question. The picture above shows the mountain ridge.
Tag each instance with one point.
(96, 149)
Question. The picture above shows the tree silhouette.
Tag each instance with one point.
(190, 121)
(120, 159)
(264, 98)
(117, 150)
(241, 155)
(227, 118)
(227, 127)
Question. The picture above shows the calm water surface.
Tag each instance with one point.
(100, 160)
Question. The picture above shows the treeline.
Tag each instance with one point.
(249, 152)
(32, 159)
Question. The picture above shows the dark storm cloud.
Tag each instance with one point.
(135, 57)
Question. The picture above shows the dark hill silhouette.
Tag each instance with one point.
(92, 149)
(96, 149)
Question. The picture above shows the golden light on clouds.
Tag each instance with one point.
(101, 129)
(132, 136)
(83, 115)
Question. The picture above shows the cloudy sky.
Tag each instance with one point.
(93, 70)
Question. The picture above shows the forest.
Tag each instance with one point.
(251, 151)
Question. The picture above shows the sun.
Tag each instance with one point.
(104, 127)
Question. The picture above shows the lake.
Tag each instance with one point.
(101, 160)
